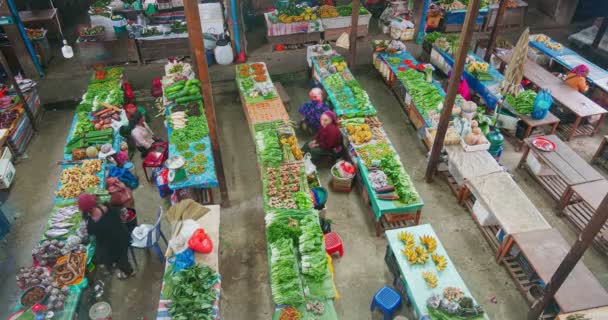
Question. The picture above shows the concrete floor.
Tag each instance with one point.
(246, 292)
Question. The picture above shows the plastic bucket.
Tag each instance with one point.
(100, 311)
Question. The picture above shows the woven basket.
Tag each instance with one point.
(340, 184)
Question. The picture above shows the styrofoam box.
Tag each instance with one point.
(213, 26)
(7, 173)
(537, 166)
(344, 22)
(483, 216)
(210, 11)
(6, 154)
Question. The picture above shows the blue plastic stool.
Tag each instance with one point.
(388, 300)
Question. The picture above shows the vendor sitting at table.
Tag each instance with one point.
(576, 78)
(139, 133)
(111, 234)
(327, 141)
(312, 111)
(130, 110)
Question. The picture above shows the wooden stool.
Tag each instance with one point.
(282, 94)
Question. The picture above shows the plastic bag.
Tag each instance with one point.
(182, 260)
(124, 175)
(200, 242)
(309, 167)
(121, 195)
(542, 103)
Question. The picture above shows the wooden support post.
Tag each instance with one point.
(501, 12)
(600, 32)
(448, 104)
(11, 79)
(197, 48)
(354, 25)
(579, 247)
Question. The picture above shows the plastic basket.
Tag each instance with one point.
(340, 184)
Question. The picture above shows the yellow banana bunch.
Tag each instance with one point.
(423, 255)
(477, 65)
(440, 262)
(430, 279)
(407, 238)
(411, 255)
(429, 242)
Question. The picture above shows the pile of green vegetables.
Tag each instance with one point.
(312, 249)
(184, 91)
(90, 138)
(523, 103)
(347, 10)
(196, 129)
(361, 98)
(334, 82)
(285, 282)
(425, 95)
(191, 292)
(268, 145)
(400, 180)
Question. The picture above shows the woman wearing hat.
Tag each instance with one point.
(112, 236)
(327, 141)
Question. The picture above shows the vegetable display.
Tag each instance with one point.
(425, 96)
(523, 103)
(400, 180)
(285, 282)
(282, 187)
(192, 295)
(312, 249)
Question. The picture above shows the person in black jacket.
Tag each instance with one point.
(112, 235)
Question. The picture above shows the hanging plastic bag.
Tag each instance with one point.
(182, 260)
(309, 167)
(542, 103)
(200, 242)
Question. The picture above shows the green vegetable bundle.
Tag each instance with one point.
(283, 230)
(426, 96)
(196, 129)
(192, 295)
(268, 146)
(312, 249)
(303, 200)
(285, 281)
(523, 103)
(347, 10)
(361, 98)
(184, 91)
(400, 180)
(334, 82)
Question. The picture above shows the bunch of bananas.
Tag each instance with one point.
(293, 145)
(406, 237)
(307, 15)
(429, 242)
(359, 134)
(327, 11)
(477, 65)
(339, 65)
(430, 279)
(418, 255)
(440, 262)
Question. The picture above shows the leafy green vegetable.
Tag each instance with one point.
(425, 96)
(312, 249)
(523, 103)
(285, 282)
(200, 147)
(193, 294)
(283, 230)
(374, 151)
(195, 130)
(400, 180)
(303, 200)
(269, 147)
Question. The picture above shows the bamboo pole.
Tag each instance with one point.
(457, 69)
(354, 24)
(571, 259)
(197, 48)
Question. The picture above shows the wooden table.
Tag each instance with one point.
(514, 213)
(588, 198)
(562, 168)
(512, 17)
(408, 277)
(576, 102)
(544, 250)
(600, 150)
(464, 166)
(531, 123)
(591, 314)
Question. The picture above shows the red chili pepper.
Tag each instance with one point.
(401, 68)
(407, 61)
(420, 67)
(279, 47)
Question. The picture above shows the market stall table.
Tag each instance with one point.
(488, 90)
(570, 59)
(510, 209)
(410, 276)
(578, 103)
(545, 250)
(464, 166)
(292, 33)
(600, 155)
(46, 18)
(589, 197)
(210, 222)
(591, 314)
(513, 17)
(559, 169)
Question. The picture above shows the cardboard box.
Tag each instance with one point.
(7, 173)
